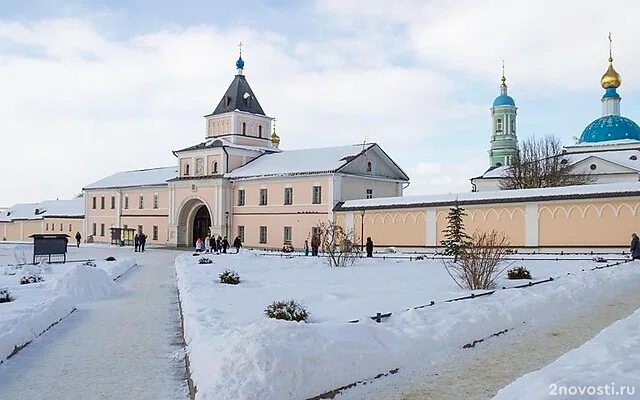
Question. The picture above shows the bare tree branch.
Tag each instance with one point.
(541, 163)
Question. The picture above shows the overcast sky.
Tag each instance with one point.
(93, 88)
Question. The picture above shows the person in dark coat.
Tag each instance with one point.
(315, 244)
(78, 238)
(213, 244)
(237, 243)
(142, 238)
(219, 244)
(225, 244)
(635, 247)
(369, 247)
(136, 242)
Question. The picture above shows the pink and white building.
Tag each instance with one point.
(238, 182)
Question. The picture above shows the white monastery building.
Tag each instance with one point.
(238, 182)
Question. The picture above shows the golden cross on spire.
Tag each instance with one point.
(240, 47)
(610, 41)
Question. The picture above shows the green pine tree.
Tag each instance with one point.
(455, 239)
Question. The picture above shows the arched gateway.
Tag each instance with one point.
(194, 221)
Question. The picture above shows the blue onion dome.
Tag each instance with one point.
(610, 127)
(504, 100)
(240, 63)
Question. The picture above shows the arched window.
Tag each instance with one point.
(368, 166)
(513, 126)
(499, 125)
(259, 131)
(244, 128)
(215, 167)
(186, 169)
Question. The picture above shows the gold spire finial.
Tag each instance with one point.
(503, 85)
(611, 78)
(275, 139)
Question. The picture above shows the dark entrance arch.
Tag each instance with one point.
(201, 224)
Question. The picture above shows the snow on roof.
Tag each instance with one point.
(137, 178)
(296, 162)
(606, 143)
(49, 208)
(620, 157)
(632, 188)
(219, 142)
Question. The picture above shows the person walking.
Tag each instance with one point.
(315, 243)
(207, 244)
(78, 238)
(225, 245)
(306, 247)
(136, 242)
(369, 247)
(237, 243)
(142, 238)
(635, 247)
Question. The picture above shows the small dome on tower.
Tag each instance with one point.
(504, 99)
(611, 78)
(240, 63)
(275, 139)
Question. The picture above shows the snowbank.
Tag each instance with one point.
(235, 355)
(32, 312)
(117, 268)
(87, 283)
(606, 366)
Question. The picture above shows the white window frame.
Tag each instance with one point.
(288, 196)
(263, 234)
(288, 235)
(316, 197)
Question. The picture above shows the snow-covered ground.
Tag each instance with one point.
(36, 306)
(237, 353)
(605, 367)
(127, 346)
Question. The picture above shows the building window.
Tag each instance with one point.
(199, 166)
(263, 197)
(317, 195)
(499, 125)
(288, 196)
(94, 230)
(240, 197)
(513, 126)
(69, 227)
(287, 235)
(368, 166)
(186, 170)
(241, 232)
(593, 167)
(259, 131)
(101, 229)
(263, 234)
(113, 202)
(244, 128)
(102, 202)
(46, 227)
(126, 202)
(369, 193)
(215, 167)
(61, 228)
(94, 202)
(141, 202)
(155, 232)
(155, 201)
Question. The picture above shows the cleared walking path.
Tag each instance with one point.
(479, 373)
(122, 348)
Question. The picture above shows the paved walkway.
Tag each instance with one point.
(479, 373)
(123, 348)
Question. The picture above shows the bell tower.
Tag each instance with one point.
(504, 142)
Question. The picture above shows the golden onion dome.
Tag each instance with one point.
(275, 138)
(611, 78)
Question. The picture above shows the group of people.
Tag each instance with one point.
(139, 240)
(315, 244)
(211, 244)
